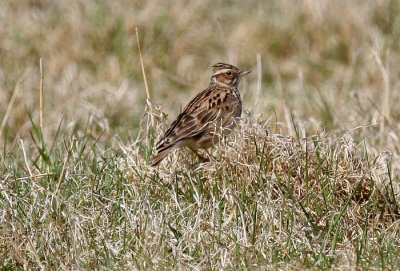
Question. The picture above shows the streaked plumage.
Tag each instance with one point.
(218, 105)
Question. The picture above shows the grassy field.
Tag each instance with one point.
(310, 178)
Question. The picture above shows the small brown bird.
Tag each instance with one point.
(218, 105)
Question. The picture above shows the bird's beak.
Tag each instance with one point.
(244, 72)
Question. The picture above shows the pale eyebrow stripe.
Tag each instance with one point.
(221, 71)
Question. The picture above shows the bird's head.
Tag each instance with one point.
(226, 75)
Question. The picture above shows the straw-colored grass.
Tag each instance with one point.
(309, 179)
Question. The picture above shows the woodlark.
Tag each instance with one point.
(219, 105)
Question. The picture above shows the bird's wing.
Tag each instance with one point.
(206, 108)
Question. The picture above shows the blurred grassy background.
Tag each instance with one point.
(320, 60)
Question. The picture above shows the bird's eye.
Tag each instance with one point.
(228, 73)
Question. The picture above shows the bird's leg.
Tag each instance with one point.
(211, 157)
(202, 159)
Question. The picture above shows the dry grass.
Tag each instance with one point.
(309, 180)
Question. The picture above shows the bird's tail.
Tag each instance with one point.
(160, 156)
